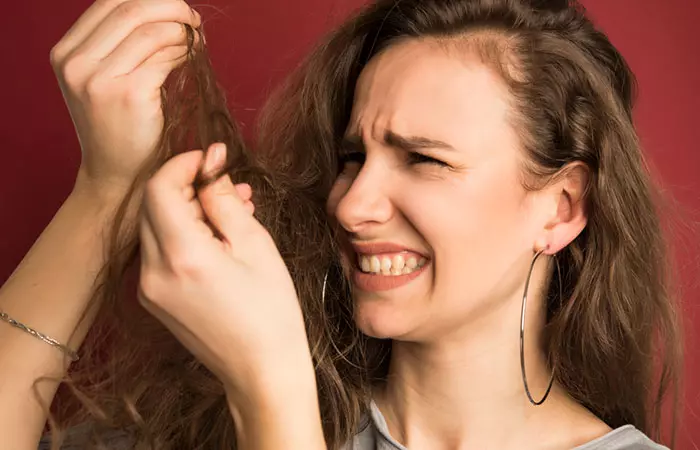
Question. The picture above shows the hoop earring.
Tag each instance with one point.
(341, 354)
(522, 339)
(323, 290)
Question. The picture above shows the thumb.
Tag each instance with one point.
(221, 201)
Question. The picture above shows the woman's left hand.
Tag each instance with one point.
(228, 297)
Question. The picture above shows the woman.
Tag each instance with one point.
(470, 167)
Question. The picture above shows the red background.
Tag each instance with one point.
(254, 44)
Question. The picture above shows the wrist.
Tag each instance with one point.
(99, 192)
(96, 197)
(268, 386)
(278, 411)
(278, 420)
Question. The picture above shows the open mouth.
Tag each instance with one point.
(383, 272)
(396, 264)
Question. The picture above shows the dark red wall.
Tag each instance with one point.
(255, 42)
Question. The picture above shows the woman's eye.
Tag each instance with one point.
(419, 158)
(414, 158)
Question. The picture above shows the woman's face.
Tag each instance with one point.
(438, 223)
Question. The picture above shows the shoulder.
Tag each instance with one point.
(624, 438)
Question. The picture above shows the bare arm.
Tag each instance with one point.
(110, 66)
(49, 291)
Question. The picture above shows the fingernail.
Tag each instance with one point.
(216, 158)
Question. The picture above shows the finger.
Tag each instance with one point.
(196, 210)
(155, 248)
(89, 21)
(145, 42)
(166, 201)
(129, 16)
(151, 80)
(85, 25)
(173, 56)
(244, 191)
(220, 200)
(160, 65)
(180, 171)
(249, 207)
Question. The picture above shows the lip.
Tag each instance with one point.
(379, 248)
(370, 282)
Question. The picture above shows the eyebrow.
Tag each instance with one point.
(407, 143)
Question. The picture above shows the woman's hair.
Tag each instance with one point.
(611, 338)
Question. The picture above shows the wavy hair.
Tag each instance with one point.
(611, 336)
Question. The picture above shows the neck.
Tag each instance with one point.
(465, 389)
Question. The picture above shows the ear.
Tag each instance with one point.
(566, 209)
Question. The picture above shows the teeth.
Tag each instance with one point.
(387, 266)
(365, 264)
(374, 264)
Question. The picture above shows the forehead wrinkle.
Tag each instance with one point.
(384, 100)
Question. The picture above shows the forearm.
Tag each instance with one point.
(49, 292)
(281, 413)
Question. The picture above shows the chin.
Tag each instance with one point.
(381, 319)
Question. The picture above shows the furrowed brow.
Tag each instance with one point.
(354, 143)
(410, 143)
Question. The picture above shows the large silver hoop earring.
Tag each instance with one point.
(323, 290)
(341, 354)
(522, 339)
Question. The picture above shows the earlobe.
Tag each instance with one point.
(542, 245)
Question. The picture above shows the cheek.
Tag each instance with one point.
(475, 230)
(465, 212)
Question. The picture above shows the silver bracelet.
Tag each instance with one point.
(51, 341)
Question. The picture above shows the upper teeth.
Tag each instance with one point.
(386, 265)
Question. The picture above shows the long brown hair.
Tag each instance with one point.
(612, 337)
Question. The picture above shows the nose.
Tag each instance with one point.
(366, 202)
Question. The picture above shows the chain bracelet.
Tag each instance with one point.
(49, 340)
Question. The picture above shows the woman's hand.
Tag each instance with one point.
(110, 66)
(213, 275)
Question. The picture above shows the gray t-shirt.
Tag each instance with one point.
(375, 436)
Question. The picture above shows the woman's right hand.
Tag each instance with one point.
(110, 66)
